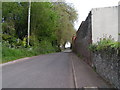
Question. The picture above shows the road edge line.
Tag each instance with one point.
(74, 75)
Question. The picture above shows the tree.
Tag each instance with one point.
(67, 16)
(15, 19)
(43, 22)
(51, 22)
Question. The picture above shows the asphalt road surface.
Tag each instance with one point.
(44, 71)
(50, 71)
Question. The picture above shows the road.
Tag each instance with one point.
(43, 71)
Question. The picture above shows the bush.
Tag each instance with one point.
(44, 47)
(6, 37)
(11, 41)
(105, 44)
(92, 47)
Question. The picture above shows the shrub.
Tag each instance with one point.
(44, 47)
(92, 47)
(104, 44)
(6, 37)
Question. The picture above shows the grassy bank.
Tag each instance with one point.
(10, 54)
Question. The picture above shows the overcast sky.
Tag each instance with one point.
(84, 6)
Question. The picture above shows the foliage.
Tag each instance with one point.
(67, 15)
(51, 26)
(9, 54)
(49, 21)
(92, 47)
(45, 47)
(14, 16)
(10, 41)
(104, 44)
(43, 21)
(6, 37)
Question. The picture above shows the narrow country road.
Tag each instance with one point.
(46, 71)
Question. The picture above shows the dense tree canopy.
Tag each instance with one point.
(15, 19)
(67, 17)
(43, 22)
(51, 22)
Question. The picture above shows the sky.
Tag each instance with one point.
(83, 7)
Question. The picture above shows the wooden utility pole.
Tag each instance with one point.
(29, 23)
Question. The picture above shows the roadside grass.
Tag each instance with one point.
(10, 54)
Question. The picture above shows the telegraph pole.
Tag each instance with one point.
(29, 23)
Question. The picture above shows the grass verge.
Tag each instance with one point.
(10, 54)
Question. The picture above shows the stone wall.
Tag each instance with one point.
(107, 65)
(83, 40)
(100, 21)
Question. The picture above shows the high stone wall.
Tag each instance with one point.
(84, 39)
(100, 21)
